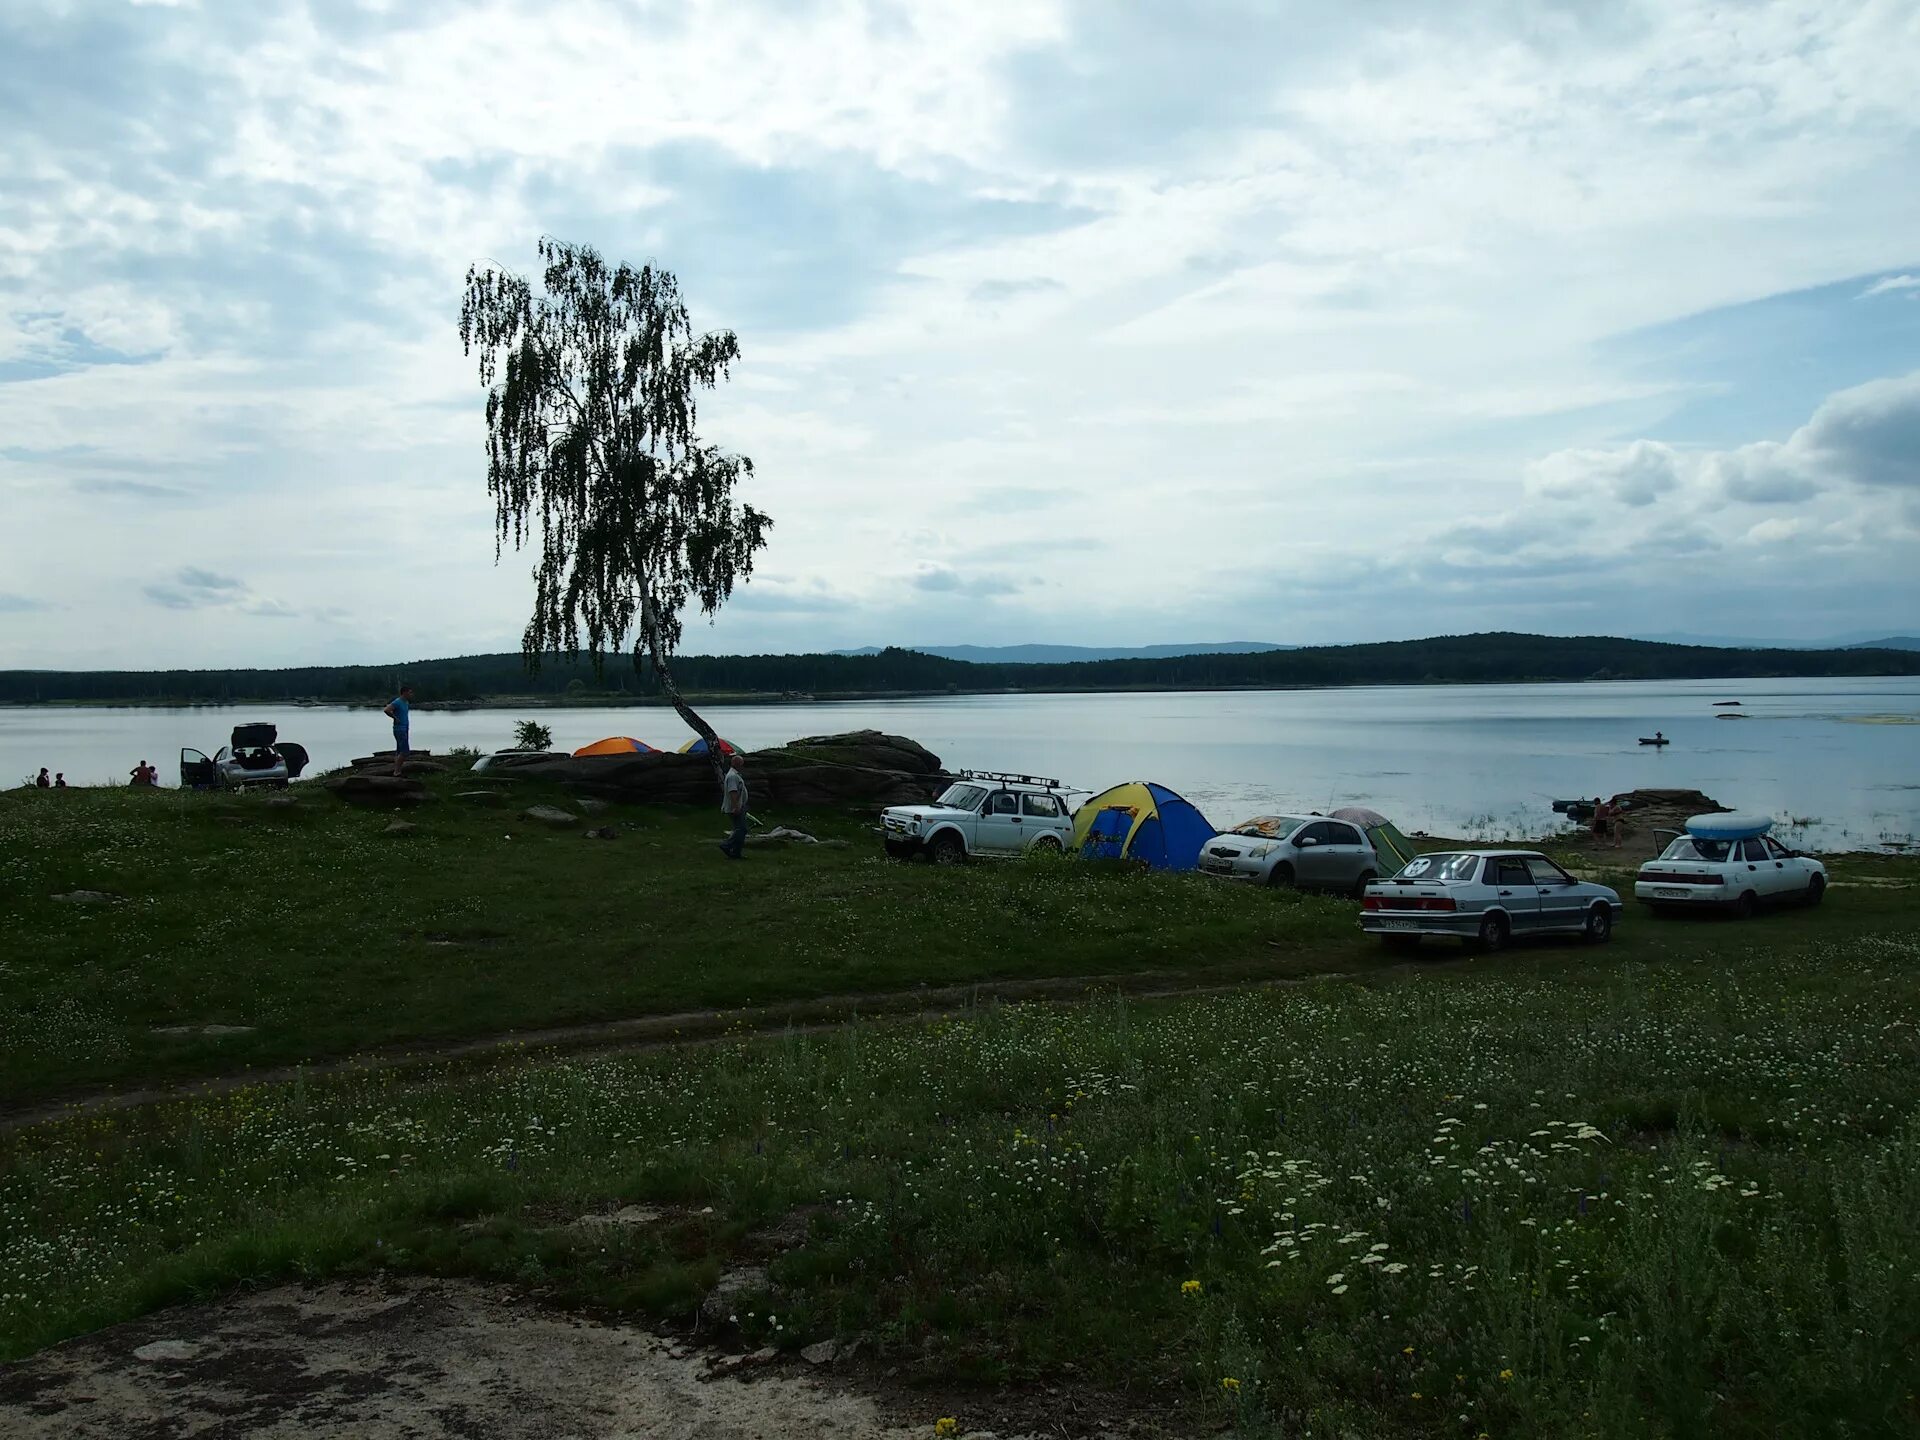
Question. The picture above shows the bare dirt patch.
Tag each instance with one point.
(416, 1358)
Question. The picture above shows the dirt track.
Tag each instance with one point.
(414, 1358)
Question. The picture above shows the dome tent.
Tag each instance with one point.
(617, 745)
(1141, 820)
(698, 746)
(1392, 848)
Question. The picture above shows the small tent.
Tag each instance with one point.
(617, 745)
(1392, 848)
(1141, 821)
(698, 746)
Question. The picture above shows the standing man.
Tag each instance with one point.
(400, 711)
(733, 802)
(41, 779)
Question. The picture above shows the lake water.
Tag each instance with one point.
(1452, 759)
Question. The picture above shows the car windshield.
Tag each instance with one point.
(963, 797)
(1444, 868)
(1269, 827)
(1692, 847)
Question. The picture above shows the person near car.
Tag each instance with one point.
(733, 803)
(400, 711)
(42, 779)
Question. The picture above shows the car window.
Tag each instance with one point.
(1545, 872)
(962, 797)
(1443, 866)
(1752, 850)
(1047, 806)
(1776, 849)
(1342, 835)
(1514, 872)
(1004, 803)
(1320, 832)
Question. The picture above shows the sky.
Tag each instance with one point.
(1070, 322)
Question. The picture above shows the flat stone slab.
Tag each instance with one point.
(388, 1358)
(550, 815)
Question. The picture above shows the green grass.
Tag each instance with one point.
(1585, 1195)
(325, 936)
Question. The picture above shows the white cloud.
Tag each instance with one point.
(1891, 285)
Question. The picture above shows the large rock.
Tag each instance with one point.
(863, 768)
(362, 788)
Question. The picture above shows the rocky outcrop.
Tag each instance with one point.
(359, 787)
(863, 767)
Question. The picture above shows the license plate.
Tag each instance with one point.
(1222, 865)
(1670, 892)
(1399, 924)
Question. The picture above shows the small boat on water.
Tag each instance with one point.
(1655, 739)
(1729, 715)
(1718, 704)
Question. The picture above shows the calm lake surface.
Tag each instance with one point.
(1452, 759)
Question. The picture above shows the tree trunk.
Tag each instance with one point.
(684, 710)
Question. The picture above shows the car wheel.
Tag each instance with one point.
(1816, 889)
(1747, 906)
(1360, 887)
(1049, 846)
(1493, 932)
(1401, 942)
(1281, 876)
(1599, 925)
(947, 849)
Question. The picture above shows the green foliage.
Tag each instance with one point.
(1447, 659)
(532, 735)
(592, 388)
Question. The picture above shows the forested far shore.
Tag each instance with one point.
(1449, 659)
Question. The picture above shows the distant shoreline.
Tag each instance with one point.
(727, 698)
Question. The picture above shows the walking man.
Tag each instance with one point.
(733, 802)
(400, 711)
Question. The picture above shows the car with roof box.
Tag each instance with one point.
(1729, 862)
(1487, 898)
(983, 812)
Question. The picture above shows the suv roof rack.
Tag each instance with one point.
(1003, 778)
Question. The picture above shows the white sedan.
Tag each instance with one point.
(1729, 862)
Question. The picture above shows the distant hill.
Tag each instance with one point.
(1890, 642)
(1441, 659)
(1073, 654)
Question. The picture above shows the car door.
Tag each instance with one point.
(1514, 892)
(1313, 864)
(1562, 906)
(1753, 869)
(196, 771)
(1001, 831)
(1346, 854)
(1789, 870)
(1041, 815)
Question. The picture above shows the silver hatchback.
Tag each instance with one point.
(1486, 897)
(1312, 851)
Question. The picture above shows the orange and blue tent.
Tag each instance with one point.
(1143, 821)
(617, 745)
(698, 746)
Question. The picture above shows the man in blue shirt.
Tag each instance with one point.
(400, 710)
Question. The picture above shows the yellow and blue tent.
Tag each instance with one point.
(1141, 820)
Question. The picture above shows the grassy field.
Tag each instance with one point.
(309, 933)
(1614, 1198)
(1666, 1187)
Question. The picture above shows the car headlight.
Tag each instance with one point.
(1259, 852)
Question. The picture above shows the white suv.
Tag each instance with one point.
(981, 813)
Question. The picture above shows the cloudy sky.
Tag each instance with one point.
(1080, 322)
